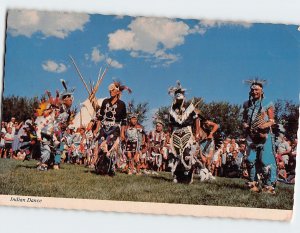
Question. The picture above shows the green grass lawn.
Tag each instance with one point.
(73, 181)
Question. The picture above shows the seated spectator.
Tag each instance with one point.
(232, 145)
(282, 174)
(283, 149)
(232, 166)
(20, 155)
(291, 166)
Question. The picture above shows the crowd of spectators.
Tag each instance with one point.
(230, 160)
(78, 147)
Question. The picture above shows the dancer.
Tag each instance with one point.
(111, 121)
(50, 127)
(207, 143)
(157, 149)
(134, 139)
(258, 117)
(62, 120)
(182, 142)
(45, 133)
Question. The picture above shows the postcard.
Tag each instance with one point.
(153, 115)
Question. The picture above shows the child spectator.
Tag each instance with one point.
(20, 155)
(8, 139)
(2, 144)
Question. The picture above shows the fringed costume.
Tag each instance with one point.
(258, 117)
(182, 141)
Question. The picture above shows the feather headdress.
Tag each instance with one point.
(256, 81)
(177, 89)
(157, 119)
(133, 115)
(66, 91)
(118, 85)
(131, 111)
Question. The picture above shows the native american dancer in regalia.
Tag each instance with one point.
(258, 117)
(182, 141)
(134, 139)
(207, 141)
(157, 148)
(111, 121)
(50, 126)
(63, 119)
(45, 134)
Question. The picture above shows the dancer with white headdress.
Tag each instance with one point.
(182, 119)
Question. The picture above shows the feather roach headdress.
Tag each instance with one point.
(157, 119)
(131, 112)
(255, 82)
(133, 115)
(177, 89)
(66, 91)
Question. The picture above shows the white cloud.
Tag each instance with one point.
(197, 29)
(121, 39)
(57, 24)
(217, 23)
(52, 66)
(204, 25)
(134, 54)
(149, 38)
(148, 34)
(165, 58)
(153, 38)
(96, 56)
(114, 63)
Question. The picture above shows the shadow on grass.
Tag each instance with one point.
(91, 171)
(33, 167)
(25, 166)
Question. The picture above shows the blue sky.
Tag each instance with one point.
(210, 58)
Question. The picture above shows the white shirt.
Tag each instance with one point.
(9, 136)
